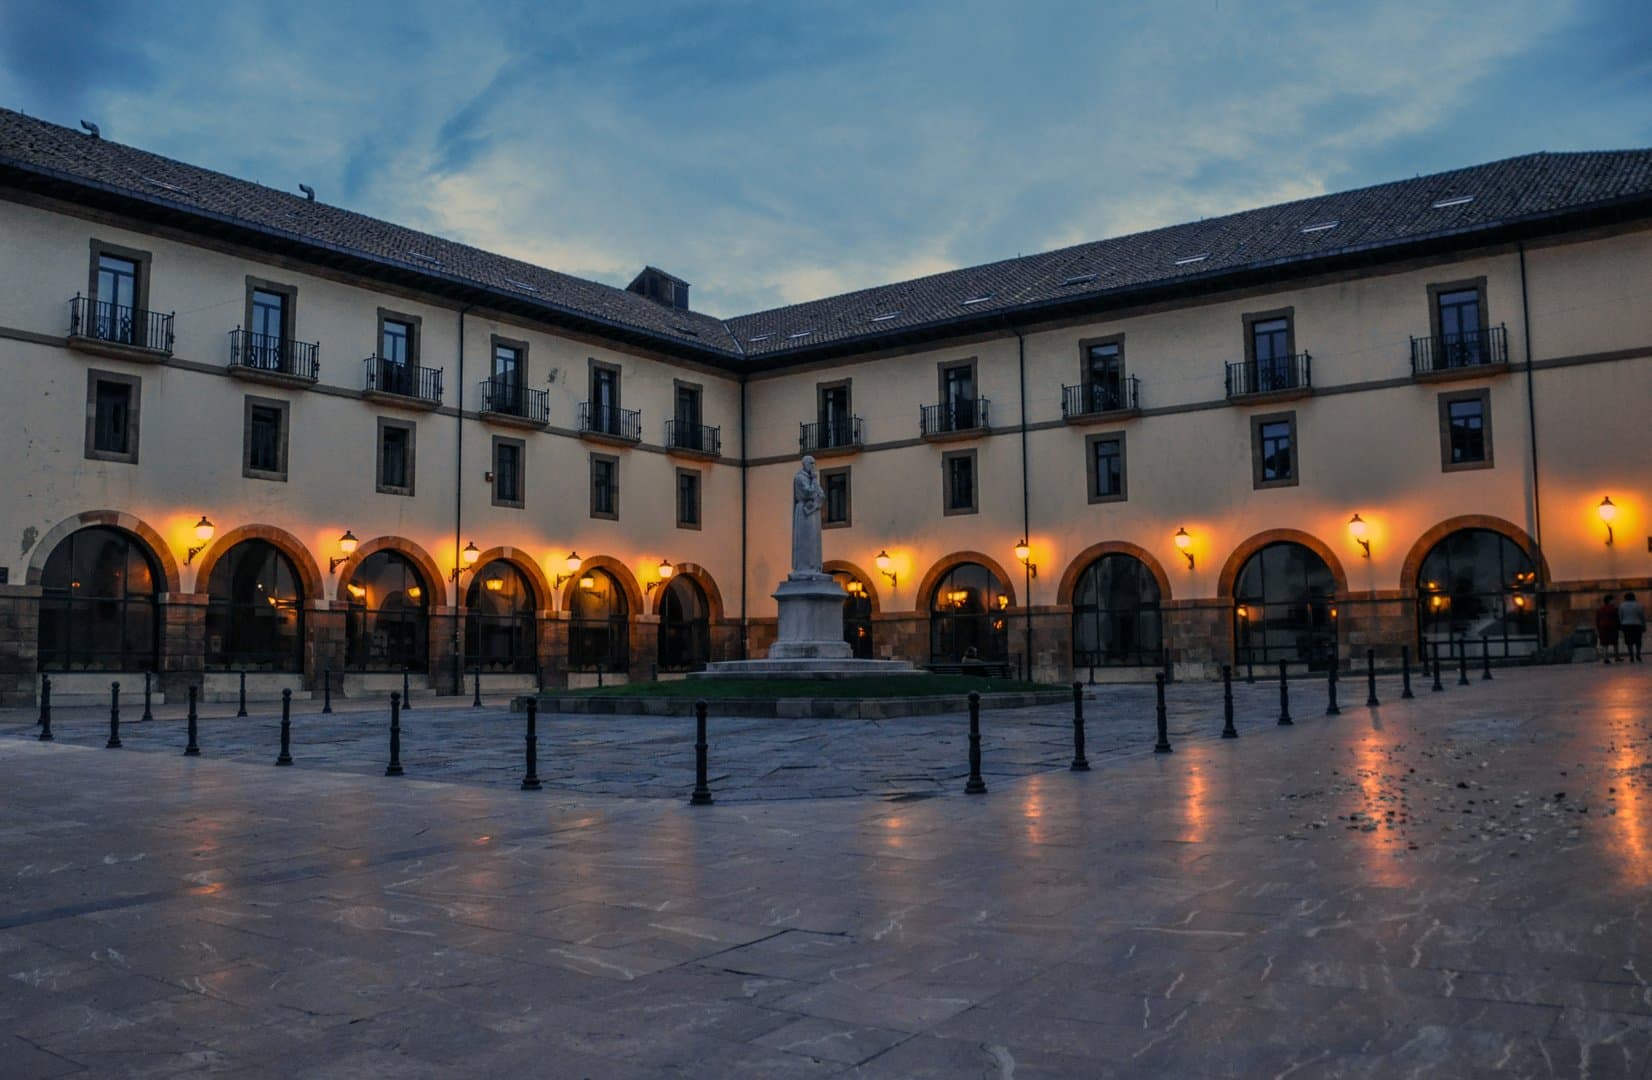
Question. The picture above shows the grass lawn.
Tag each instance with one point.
(887, 686)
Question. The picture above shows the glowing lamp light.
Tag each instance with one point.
(357, 592)
(204, 531)
(414, 592)
(1244, 612)
(884, 563)
(1607, 513)
(492, 584)
(347, 547)
(664, 570)
(571, 564)
(1358, 529)
(1024, 553)
(1003, 601)
(470, 554)
(588, 582)
(1184, 544)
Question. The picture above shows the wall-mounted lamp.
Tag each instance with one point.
(1606, 511)
(1184, 544)
(467, 559)
(665, 570)
(1024, 553)
(588, 582)
(1357, 528)
(884, 562)
(347, 547)
(204, 530)
(1243, 611)
(572, 563)
(492, 584)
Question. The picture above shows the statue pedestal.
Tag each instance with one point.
(811, 620)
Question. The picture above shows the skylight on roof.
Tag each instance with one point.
(1320, 226)
(523, 285)
(795, 334)
(1454, 200)
(163, 184)
(755, 338)
(1077, 279)
(422, 257)
(886, 316)
(1186, 259)
(981, 299)
(690, 331)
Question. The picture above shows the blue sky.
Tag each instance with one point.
(772, 152)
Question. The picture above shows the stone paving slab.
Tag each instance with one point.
(1456, 886)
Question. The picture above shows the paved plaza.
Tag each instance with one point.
(1451, 886)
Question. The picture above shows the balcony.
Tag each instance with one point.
(125, 332)
(692, 440)
(1459, 356)
(507, 401)
(1278, 378)
(610, 424)
(960, 418)
(836, 435)
(402, 384)
(1100, 401)
(265, 358)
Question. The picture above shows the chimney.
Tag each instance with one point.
(660, 287)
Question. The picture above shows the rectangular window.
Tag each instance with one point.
(1459, 323)
(959, 396)
(396, 341)
(507, 364)
(1273, 450)
(264, 443)
(604, 486)
(836, 512)
(1465, 430)
(395, 457)
(688, 499)
(605, 399)
(958, 482)
(112, 417)
(1104, 376)
(509, 464)
(687, 410)
(833, 413)
(1270, 348)
(270, 324)
(1105, 466)
(119, 292)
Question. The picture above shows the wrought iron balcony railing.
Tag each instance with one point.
(1097, 398)
(609, 420)
(403, 380)
(508, 397)
(101, 320)
(1275, 375)
(698, 438)
(1443, 352)
(959, 414)
(274, 355)
(835, 433)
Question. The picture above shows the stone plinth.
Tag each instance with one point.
(810, 644)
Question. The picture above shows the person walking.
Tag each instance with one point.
(1606, 628)
(1632, 621)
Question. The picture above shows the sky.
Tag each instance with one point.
(773, 152)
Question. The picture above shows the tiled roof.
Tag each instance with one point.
(1459, 204)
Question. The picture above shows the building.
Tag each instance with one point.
(252, 432)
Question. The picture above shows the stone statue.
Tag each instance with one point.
(808, 497)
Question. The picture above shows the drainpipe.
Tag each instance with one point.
(1531, 423)
(459, 505)
(744, 457)
(1026, 506)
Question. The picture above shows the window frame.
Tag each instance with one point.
(947, 458)
(613, 463)
(677, 498)
(1256, 423)
(943, 366)
(1446, 400)
(134, 384)
(1437, 289)
(699, 392)
(143, 259)
(284, 408)
(1085, 345)
(592, 366)
(1251, 318)
(415, 334)
(1090, 471)
(521, 447)
(380, 485)
(495, 343)
(289, 306)
(848, 498)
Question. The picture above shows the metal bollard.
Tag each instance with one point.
(242, 710)
(1405, 672)
(114, 717)
(1462, 662)
(1092, 674)
(1485, 658)
(1284, 698)
(147, 714)
(46, 709)
(1228, 730)
(1163, 745)
(1080, 762)
(476, 699)
(395, 766)
(1250, 668)
(286, 755)
(976, 785)
(702, 791)
(1371, 701)
(192, 749)
(327, 691)
(1438, 686)
(530, 780)
(407, 694)
(599, 675)
(1331, 706)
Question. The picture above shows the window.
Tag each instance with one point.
(686, 431)
(386, 625)
(1284, 608)
(1458, 315)
(958, 482)
(1270, 348)
(508, 365)
(98, 603)
(836, 483)
(399, 353)
(687, 406)
(112, 417)
(834, 414)
(604, 486)
(958, 396)
(1105, 461)
(1273, 450)
(605, 399)
(967, 617)
(118, 284)
(1116, 617)
(688, 499)
(1465, 430)
(395, 474)
(1103, 376)
(508, 464)
(264, 442)
(255, 611)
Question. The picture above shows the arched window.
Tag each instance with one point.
(598, 632)
(1116, 615)
(97, 604)
(857, 614)
(1285, 608)
(685, 626)
(500, 632)
(966, 616)
(255, 611)
(386, 627)
(1477, 584)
